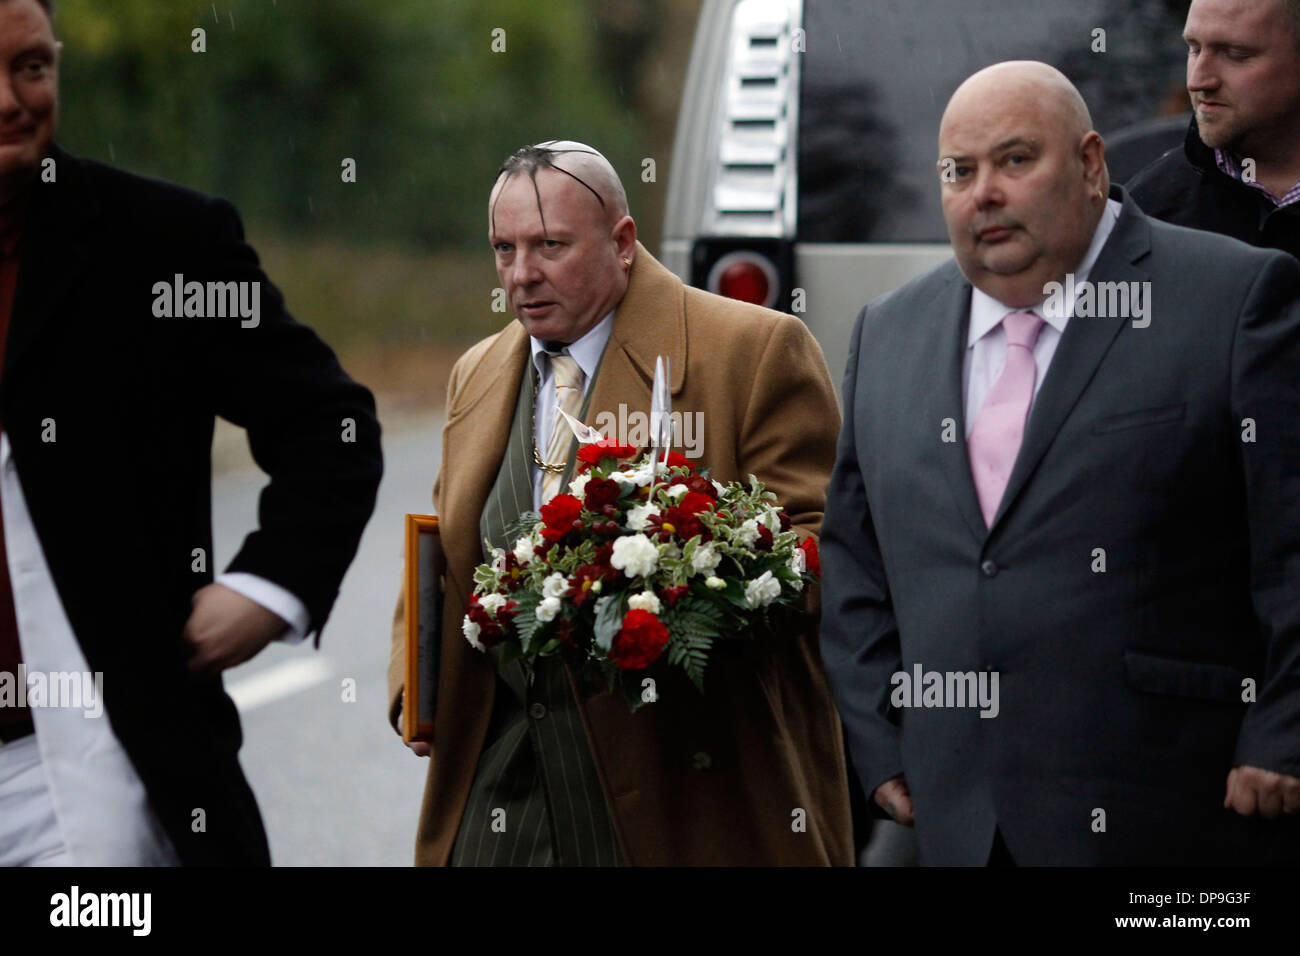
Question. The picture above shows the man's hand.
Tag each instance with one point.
(420, 748)
(1272, 794)
(894, 797)
(225, 628)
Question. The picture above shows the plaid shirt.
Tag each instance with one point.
(1229, 165)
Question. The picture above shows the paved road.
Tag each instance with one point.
(335, 784)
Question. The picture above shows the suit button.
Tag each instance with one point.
(702, 761)
(537, 711)
(989, 568)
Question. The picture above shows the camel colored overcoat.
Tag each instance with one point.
(752, 772)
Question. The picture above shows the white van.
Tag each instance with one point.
(803, 172)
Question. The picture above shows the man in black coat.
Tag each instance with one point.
(1238, 173)
(136, 314)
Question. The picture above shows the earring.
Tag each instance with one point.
(627, 261)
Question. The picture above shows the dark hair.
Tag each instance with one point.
(529, 159)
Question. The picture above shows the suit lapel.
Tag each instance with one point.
(641, 332)
(1081, 349)
(477, 433)
(952, 307)
(54, 252)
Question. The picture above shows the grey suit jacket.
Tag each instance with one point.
(1141, 576)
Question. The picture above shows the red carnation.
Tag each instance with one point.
(600, 492)
(593, 454)
(558, 515)
(489, 631)
(701, 486)
(764, 542)
(603, 553)
(693, 503)
(677, 460)
(506, 613)
(811, 556)
(673, 595)
(641, 640)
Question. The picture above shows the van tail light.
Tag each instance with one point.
(754, 270)
(745, 276)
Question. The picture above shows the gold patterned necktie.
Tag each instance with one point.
(568, 377)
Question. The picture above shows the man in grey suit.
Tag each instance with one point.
(1061, 604)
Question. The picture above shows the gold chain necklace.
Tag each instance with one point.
(542, 463)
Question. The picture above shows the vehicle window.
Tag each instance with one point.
(876, 77)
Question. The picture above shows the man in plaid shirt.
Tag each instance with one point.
(1238, 172)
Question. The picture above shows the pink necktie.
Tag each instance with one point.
(1000, 427)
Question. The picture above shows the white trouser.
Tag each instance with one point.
(29, 831)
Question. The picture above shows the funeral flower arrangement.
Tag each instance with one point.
(638, 563)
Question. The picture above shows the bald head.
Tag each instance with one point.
(580, 162)
(1029, 83)
(1023, 179)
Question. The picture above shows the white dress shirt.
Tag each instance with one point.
(986, 343)
(100, 804)
(586, 352)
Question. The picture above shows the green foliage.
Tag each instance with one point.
(526, 622)
(287, 89)
(694, 625)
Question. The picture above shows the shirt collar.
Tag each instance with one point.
(1229, 164)
(986, 312)
(586, 351)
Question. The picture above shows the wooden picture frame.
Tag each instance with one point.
(424, 585)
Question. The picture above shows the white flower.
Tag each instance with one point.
(547, 610)
(747, 533)
(578, 486)
(771, 519)
(498, 560)
(645, 601)
(798, 563)
(639, 476)
(555, 586)
(675, 492)
(714, 582)
(638, 516)
(763, 590)
(705, 559)
(719, 487)
(524, 550)
(471, 633)
(635, 555)
(492, 603)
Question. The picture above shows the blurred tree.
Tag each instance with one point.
(412, 90)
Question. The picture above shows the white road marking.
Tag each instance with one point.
(278, 681)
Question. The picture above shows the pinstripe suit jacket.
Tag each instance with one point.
(719, 779)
